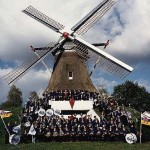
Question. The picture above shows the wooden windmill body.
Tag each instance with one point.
(70, 73)
(70, 70)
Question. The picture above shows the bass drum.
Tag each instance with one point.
(131, 138)
(14, 139)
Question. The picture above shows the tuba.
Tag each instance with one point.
(49, 112)
(41, 112)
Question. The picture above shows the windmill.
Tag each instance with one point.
(71, 53)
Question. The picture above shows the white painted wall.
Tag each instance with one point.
(78, 105)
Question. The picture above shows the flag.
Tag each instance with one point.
(6, 114)
(16, 129)
(145, 118)
(32, 130)
(72, 101)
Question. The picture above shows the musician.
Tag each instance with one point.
(47, 134)
(95, 121)
(91, 134)
(104, 133)
(89, 119)
(132, 127)
(84, 133)
(66, 134)
(123, 133)
(55, 134)
(65, 95)
(72, 135)
(78, 133)
(60, 134)
(25, 137)
(36, 127)
(117, 134)
(75, 95)
(98, 134)
(111, 134)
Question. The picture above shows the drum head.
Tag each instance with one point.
(131, 138)
(14, 139)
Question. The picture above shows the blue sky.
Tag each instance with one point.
(126, 25)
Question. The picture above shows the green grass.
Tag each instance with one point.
(77, 146)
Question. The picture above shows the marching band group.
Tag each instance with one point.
(113, 124)
(67, 94)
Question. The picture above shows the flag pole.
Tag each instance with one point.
(140, 132)
(5, 126)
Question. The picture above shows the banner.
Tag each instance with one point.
(6, 114)
(145, 118)
(16, 129)
(32, 130)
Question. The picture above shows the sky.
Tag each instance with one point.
(126, 25)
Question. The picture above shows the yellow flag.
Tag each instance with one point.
(145, 118)
(6, 115)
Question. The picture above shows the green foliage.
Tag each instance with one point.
(33, 96)
(130, 93)
(14, 98)
(103, 93)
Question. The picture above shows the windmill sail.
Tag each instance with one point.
(107, 62)
(92, 17)
(37, 15)
(14, 75)
(70, 42)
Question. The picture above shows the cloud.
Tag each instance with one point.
(127, 28)
(34, 80)
(106, 84)
(144, 83)
(19, 31)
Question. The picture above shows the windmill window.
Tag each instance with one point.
(70, 75)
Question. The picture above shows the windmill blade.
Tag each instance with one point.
(101, 44)
(39, 48)
(92, 17)
(107, 62)
(82, 51)
(37, 15)
(34, 50)
(14, 75)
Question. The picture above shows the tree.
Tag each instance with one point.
(103, 94)
(14, 98)
(33, 96)
(130, 93)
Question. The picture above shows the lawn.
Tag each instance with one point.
(77, 146)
